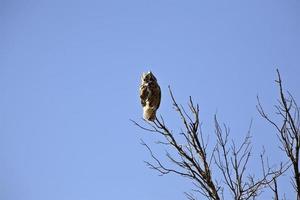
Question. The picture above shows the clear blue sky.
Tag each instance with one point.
(69, 76)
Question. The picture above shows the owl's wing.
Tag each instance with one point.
(154, 98)
(143, 94)
(159, 95)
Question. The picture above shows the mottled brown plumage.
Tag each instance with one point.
(150, 95)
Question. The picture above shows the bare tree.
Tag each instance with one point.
(232, 161)
(288, 131)
(189, 157)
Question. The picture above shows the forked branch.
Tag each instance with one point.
(287, 130)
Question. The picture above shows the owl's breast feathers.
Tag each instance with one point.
(143, 94)
(150, 92)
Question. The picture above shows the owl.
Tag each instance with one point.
(150, 95)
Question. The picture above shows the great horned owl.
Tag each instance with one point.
(150, 96)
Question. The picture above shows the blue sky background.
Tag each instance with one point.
(69, 77)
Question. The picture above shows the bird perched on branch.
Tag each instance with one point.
(150, 95)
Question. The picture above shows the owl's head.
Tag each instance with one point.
(148, 77)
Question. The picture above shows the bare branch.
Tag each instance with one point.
(287, 132)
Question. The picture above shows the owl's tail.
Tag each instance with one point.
(149, 113)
